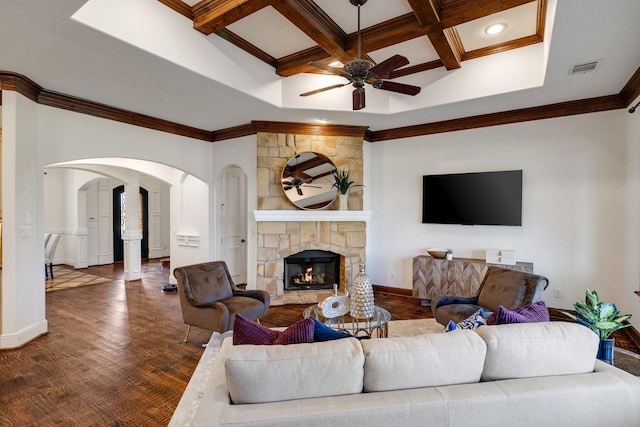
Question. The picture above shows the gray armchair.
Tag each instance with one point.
(500, 286)
(210, 300)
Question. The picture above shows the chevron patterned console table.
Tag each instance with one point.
(460, 276)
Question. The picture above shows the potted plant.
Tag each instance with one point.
(343, 183)
(602, 318)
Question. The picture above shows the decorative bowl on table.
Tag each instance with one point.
(438, 252)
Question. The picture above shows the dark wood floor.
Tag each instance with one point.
(114, 354)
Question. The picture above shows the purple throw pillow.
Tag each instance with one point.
(534, 312)
(246, 331)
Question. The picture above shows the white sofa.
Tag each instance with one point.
(521, 374)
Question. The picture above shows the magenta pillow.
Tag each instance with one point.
(534, 312)
(246, 331)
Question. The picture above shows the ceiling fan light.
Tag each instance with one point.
(494, 29)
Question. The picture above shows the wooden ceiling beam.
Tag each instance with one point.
(315, 23)
(445, 41)
(246, 46)
(397, 30)
(211, 16)
(388, 33)
(299, 62)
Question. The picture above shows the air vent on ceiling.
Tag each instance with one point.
(584, 67)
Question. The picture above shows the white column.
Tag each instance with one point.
(132, 237)
(105, 222)
(81, 233)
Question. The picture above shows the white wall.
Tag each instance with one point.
(575, 196)
(631, 248)
(22, 302)
(35, 136)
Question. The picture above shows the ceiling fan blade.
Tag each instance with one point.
(388, 65)
(358, 99)
(397, 87)
(329, 68)
(313, 92)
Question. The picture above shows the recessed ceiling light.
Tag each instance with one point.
(322, 121)
(494, 29)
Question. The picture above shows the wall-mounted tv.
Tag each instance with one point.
(478, 198)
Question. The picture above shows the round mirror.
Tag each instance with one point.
(307, 180)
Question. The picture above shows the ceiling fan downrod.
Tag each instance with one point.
(358, 3)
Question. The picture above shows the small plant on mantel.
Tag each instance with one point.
(343, 181)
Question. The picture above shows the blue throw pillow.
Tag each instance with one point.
(322, 332)
(472, 322)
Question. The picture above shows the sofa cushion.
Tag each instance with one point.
(322, 332)
(258, 374)
(537, 349)
(423, 361)
(246, 331)
(472, 322)
(534, 312)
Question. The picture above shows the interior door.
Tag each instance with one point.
(233, 222)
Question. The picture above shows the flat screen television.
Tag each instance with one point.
(479, 198)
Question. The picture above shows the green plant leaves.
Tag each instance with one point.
(602, 318)
(343, 181)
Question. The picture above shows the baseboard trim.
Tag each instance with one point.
(391, 290)
(23, 336)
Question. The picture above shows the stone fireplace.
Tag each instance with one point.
(284, 230)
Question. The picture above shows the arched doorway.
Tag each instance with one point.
(119, 221)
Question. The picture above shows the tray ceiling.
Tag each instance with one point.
(289, 34)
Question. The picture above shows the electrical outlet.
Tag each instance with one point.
(392, 277)
(557, 293)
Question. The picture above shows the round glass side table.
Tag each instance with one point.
(376, 326)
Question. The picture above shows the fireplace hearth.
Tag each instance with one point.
(311, 270)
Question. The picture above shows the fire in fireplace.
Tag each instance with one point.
(311, 269)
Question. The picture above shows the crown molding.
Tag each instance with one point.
(592, 105)
(310, 129)
(36, 93)
(28, 88)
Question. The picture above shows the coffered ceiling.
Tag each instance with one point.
(220, 64)
(289, 34)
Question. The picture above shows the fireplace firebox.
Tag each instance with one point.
(311, 270)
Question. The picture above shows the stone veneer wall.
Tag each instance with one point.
(275, 150)
(278, 240)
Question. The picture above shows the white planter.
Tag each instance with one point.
(343, 202)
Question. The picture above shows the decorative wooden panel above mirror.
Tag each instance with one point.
(307, 180)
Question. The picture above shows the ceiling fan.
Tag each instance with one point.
(295, 181)
(360, 71)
